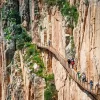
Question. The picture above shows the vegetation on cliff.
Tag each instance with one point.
(68, 11)
(12, 27)
(50, 92)
(16, 33)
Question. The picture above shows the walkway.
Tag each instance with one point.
(72, 73)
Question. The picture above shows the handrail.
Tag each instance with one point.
(72, 73)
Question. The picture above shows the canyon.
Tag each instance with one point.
(36, 39)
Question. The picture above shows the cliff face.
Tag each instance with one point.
(49, 25)
(87, 39)
(84, 42)
(18, 82)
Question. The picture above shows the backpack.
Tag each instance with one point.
(72, 62)
(69, 61)
(91, 82)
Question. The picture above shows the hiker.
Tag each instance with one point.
(83, 77)
(75, 68)
(49, 42)
(69, 62)
(91, 85)
(72, 62)
(79, 75)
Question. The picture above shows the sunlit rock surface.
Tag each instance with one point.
(86, 38)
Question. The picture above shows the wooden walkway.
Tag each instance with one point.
(83, 85)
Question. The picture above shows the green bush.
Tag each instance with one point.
(50, 2)
(33, 56)
(17, 34)
(13, 30)
(66, 10)
(13, 16)
(72, 47)
(49, 77)
(31, 49)
(50, 92)
(71, 13)
(21, 38)
(86, 2)
(10, 14)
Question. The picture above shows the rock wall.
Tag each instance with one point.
(52, 27)
(84, 37)
(87, 39)
(17, 82)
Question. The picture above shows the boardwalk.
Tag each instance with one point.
(85, 86)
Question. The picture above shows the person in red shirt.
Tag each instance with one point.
(72, 62)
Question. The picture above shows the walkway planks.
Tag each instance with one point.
(71, 72)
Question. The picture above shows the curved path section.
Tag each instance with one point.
(71, 72)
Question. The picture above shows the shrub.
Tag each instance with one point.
(17, 34)
(50, 2)
(70, 12)
(86, 2)
(13, 30)
(72, 47)
(50, 92)
(49, 77)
